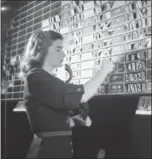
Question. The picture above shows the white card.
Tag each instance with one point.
(45, 23)
(118, 4)
(88, 5)
(78, 49)
(75, 58)
(120, 29)
(89, 21)
(88, 39)
(86, 56)
(118, 49)
(64, 30)
(88, 30)
(76, 74)
(75, 66)
(86, 47)
(87, 64)
(88, 13)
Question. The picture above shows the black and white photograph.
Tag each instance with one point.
(76, 79)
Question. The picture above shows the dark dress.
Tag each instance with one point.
(48, 101)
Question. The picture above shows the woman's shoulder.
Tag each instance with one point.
(38, 72)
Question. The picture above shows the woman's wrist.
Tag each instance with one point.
(107, 66)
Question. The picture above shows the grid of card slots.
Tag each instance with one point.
(91, 30)
(144, 105)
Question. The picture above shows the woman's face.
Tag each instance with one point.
(55, 54)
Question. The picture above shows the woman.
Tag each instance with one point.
(48, 100)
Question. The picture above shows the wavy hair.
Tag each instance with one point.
(36, 50)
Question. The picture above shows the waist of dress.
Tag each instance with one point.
(53, 134)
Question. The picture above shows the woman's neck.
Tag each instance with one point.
(48, 68)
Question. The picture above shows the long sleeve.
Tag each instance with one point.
(52, 92)
(84, 110)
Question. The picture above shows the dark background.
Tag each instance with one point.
(115, 127)
(6, 17)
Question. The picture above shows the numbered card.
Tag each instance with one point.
(135, 87)
(102, 89)
(116, 88)
(139, 76)
(116, 78)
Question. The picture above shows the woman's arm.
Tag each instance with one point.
(91, 87)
